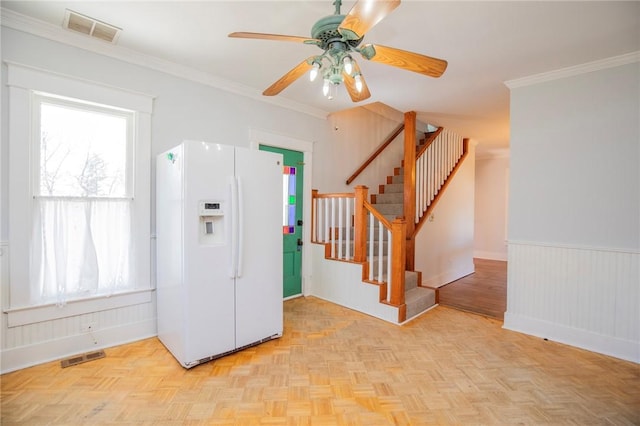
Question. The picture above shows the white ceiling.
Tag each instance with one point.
(485, 43)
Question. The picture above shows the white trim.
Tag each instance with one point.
(601, 64)
(492, 154)
(490, 255)
(34, 314)
(17, 21)
(257, 137)
(573, 246)
(37, 79)
(22, 81)
(295, 296)
(608, 345)
(26, 356)
(448, 276)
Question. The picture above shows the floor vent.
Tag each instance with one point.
(91, 27)
(79, 359)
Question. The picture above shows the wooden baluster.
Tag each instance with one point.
(340, 223)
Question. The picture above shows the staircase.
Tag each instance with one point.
(390, 202)
(373, 241)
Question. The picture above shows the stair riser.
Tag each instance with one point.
(389, 209)
(395, 179)
(419, 300)
(390, 198)
(392, 188)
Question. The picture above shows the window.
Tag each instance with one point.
(82, 163)
(79, 196)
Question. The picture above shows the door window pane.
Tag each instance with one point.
(289, 200)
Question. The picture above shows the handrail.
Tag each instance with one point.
(377, 214)
(334, 195)
(375, 154)
(429, 141)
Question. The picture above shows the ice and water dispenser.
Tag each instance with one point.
(211, 222)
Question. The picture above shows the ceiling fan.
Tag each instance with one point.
(339, 36)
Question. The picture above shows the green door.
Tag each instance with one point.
(292, 191)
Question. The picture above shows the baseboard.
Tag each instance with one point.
(27, 356)
(446, 277)
(606, 345)
(490, 255)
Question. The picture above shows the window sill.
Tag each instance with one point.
(33, 314)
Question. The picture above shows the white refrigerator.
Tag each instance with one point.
(219, 249)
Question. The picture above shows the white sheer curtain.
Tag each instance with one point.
(80, 247)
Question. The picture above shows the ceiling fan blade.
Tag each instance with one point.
(288, 78)
(432, 67)
(350, 84)
(276, 37)
(364, 15)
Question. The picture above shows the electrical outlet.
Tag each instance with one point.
(88, 326)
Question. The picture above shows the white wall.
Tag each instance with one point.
(444, 246)
(574, 210)
(353, 135)
(182, 110)
(490, 240)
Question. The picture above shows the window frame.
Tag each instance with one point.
(23, 82)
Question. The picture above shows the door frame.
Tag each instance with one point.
(259, 137)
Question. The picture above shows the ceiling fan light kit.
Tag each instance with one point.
(339, 36)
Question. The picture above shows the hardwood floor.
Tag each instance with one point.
(334, 366)
(483, 292)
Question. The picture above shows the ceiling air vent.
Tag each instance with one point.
(91, 27)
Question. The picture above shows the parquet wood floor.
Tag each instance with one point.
(334, 366)
(483, 292)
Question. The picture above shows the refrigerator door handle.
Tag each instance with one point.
(232, 216)
(240, 218)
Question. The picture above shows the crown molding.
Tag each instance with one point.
(598, 65)
(26, 24)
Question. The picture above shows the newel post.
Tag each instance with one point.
(314, 215)
(360, 224)
(398, 236)
(410, 184)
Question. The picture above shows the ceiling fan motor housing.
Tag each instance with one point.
(326, 30)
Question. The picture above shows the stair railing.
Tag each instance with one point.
(434, 164)
(378, 151)
(332, 223)
(428, 173)
(332, 219)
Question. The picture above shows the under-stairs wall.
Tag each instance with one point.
(332, 281)
(445, 243)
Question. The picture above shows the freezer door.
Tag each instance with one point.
(259, 284)
(169, 251)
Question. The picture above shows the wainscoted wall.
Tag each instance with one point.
(341, 283)
(581, 296)
(26, 345)
(574, 206)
